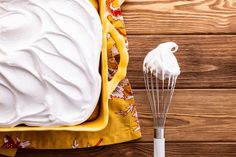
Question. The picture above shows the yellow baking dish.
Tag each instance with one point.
(107, 86)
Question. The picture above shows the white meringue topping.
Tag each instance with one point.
(162, 62)
(49, 62)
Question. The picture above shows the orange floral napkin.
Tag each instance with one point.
(123, 122)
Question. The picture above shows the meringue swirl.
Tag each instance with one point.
(49, 62)
(162, 62)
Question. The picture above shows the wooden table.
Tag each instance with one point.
(202, 118)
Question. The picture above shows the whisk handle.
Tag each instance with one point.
(159, 147)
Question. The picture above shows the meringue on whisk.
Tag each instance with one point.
(161, 70)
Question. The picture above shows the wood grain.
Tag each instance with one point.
(195, 115)
(206, 61)
(178, 149)
(180, 16)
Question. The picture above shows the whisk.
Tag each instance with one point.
(161, 70)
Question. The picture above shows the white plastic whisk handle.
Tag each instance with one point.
(159, 147)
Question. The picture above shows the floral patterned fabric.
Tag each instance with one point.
(123, 119)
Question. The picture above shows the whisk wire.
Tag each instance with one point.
(171, 88)
(159, 96)
(167, 94)
(153, 96)
(152, 105)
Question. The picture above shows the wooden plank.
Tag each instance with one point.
(180, 16)
(195, 115)
(193, 149)
(206, 61)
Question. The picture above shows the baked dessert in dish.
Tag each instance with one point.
(49, 62)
